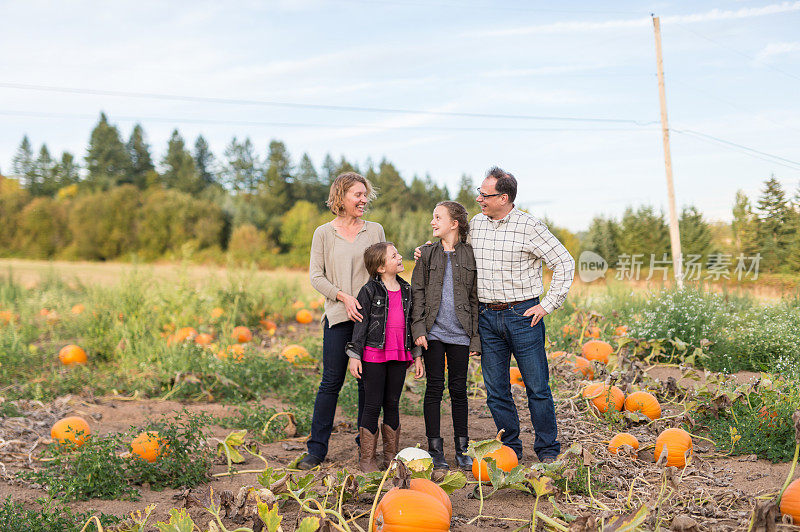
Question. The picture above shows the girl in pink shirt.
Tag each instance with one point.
(381, 351)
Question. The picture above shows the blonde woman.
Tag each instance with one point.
(337, 271)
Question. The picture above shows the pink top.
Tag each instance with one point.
(394, 348)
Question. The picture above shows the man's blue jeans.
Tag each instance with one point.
(334, 371)
(504, 332)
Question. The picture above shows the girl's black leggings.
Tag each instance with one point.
(383, 384)
(457, 363)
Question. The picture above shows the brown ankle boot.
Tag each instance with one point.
(369, 442)
(391, 440)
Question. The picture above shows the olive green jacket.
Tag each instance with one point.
(426, 290)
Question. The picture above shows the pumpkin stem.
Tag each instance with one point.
(500, 435)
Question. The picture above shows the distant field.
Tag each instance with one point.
(768, 287)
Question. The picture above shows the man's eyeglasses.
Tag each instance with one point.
(484, 196)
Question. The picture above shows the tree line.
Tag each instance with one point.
(117, 202)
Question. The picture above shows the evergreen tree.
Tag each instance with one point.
(242, 167)
(179, 170)
(278, 176)
(466, 195)
(775, 233)
(602, 239)
(23, 164)
(695, 233)
(46, 183)
(344, 166)
(107, 159)
(307, 184)
(392, 190)
(328, 169)
(644, 232)
(744, 226)
(204, 161)
(141, 161)
(68, 170)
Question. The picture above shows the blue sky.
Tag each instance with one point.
(732, 72)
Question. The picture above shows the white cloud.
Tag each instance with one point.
(583, 26)
(778, 48)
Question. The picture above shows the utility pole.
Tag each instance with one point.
(674, 235)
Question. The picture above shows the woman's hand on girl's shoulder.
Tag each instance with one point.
(474, 354)
(418, 250)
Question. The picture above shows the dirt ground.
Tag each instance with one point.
(747, 476)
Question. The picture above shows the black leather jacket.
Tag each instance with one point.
(371, 330)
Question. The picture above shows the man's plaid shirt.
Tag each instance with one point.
(509, 254)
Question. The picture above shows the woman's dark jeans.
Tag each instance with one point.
(334, 371)
(457, 363)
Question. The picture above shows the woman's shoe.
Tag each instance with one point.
(391, 440)
(369, 443)
(436, 450)
(464, 461)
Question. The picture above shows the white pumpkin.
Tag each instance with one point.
(415, 458)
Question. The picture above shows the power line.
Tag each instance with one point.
(323, 107)
(39, 114)
(739, 52)
(794, 165)
(489, 7)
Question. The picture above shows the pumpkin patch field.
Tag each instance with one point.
(182, 403)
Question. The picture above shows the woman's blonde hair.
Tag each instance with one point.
(341, 185)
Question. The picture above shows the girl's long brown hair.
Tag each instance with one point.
(458, 213)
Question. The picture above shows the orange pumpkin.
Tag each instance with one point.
(217, 312)
(568, 330)
(623, 438)
(410, 510)
(515, 376)
(593, 332)
(622, 330)
(78, 309)
(604, 396)
(268, 325)
(72, 354)
(556, 354)
(304, 316)
(241, 334)
(315, 304)
(294, 352)
(181, 335)
(6, 317)
(583, 366)
(203, 339)
(67, 429)
(235, 351)
(790, 501)
(597, 350)
(679, 446)
(297, 305)
(432, 488)
(505, 458)
(643, 402)
(148, 446)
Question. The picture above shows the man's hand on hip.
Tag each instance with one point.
(537, 311)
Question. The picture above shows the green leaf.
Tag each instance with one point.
(479, 449)
(309, 524)
(228, 446)
(179, 521)
(270, 518)
(514, 479)
(453, 481)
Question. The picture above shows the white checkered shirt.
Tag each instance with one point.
(509, 254)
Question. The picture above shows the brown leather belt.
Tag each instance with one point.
(503, 306)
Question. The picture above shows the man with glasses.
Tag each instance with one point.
(510, 246)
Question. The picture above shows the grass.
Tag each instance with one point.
(45, 516)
